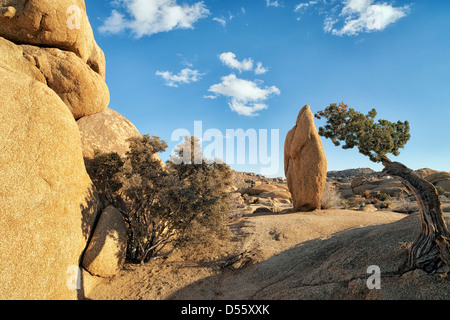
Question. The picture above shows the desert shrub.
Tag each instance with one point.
(350, 203)
(180, 204)
(404, 205)
(104, 170)
(331, 198)
(382, 196)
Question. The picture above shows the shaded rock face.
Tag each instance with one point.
(105, 254)
(391, 187)
(305, 163)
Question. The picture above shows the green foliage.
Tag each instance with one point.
(202, 184)
(104, 170)
(177, 204)
(373, 139)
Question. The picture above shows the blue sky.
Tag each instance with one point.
(252, 64)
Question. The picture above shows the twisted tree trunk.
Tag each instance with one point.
(431, 250)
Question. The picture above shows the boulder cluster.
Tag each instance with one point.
(266, 196)
(55, 234)
(354, 183)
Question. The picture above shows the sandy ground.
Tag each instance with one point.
(253, 238)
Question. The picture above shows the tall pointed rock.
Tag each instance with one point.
(305, 163)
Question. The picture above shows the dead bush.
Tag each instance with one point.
(331, 198)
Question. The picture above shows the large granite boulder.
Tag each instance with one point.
(61, 24)
(50, 69)
(48, 205)
(440, 179)
(82, 89)
(305, 163)
(107, 131)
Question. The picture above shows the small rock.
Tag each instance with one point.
(105, 254)
(262, 210)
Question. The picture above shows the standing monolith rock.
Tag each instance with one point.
(305, 163)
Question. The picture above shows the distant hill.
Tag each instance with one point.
(349, 174)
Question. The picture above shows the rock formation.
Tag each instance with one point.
(105, 254)
(82, 89)
(59, 24)
(305, 164)
(51, 73)
(107, 131)
(47, 202)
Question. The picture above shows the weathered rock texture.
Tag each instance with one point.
(59, 24)
(105, 254)
(391, 187)
(47, 202)
(107, 131)
(58, 40)
(305, 163)
(83, 90)
(50, 72)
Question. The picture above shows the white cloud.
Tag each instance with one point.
(272, 3)
(150, 17)
(185, 76)
(246, 97)
(302, 6)
(221, 20)
(229, 59)
(260, 69)
(185, 61)
(328, 24)
(114, 24)
(356, 6)
(365, 16)
(246, 110)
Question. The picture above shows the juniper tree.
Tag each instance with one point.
(375, 139)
